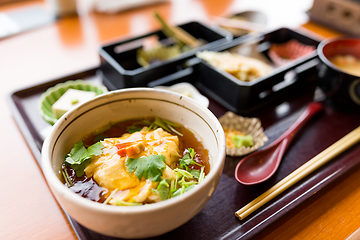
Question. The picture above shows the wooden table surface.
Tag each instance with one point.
(70, 45)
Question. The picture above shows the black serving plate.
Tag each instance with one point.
(217, 219)
(246, 97)
(120, 68)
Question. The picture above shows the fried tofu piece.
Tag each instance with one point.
(109, 169)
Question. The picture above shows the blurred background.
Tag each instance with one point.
(82, 26)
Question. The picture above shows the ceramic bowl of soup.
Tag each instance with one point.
(131, 142)
(339, 72)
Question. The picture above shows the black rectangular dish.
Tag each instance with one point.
(119, 60)
(245, 97)
(217, 219)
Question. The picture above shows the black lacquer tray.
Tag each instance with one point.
(217, 219)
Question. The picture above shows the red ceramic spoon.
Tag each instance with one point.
(262, 164)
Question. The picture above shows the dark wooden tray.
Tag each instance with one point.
(217, 219)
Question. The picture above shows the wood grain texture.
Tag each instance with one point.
(29, 210)
(329, 214)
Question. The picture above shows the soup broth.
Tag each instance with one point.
(188, 143)
(348, 63)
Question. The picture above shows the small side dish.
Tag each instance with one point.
(178, 41)
(136, 162)
(80, 92)
(243, 135)
(244, 68)
(284, 53)
(157, 52)
(70, 99)
(188, 90)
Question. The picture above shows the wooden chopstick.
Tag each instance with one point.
(178, 33)
(329, 153)
(355, 235)
(240, 24)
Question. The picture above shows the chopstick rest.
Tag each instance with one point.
(329, 153)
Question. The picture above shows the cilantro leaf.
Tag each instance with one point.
(185, 161)
(78, 156)
(79, 168)
(191, 152)
(188, 159)
(95, 149)
(149, 167)
(77, 151)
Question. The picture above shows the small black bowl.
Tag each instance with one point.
(341, 88)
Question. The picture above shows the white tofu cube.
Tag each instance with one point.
(70, 99)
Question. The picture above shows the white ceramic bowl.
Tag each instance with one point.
(135, 221)
(188, 90)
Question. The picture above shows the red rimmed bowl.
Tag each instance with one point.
(341, 87)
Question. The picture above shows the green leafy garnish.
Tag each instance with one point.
(186, 183)
(158, 122)
(76, 153)
(173, 184)
(171, 126)
(181, 173)
(181, 190)
(202, 175)
(186, 178)
(149, 167)
(246, 141)
(195, 173)
(79, 156)
(94, 150)
(133, 128)
(188, 159)
(163, 189)
(66, 176)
